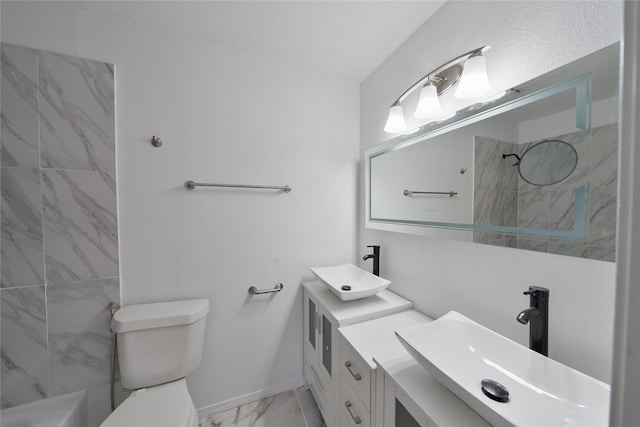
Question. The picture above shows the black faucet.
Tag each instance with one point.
(376, 259)
(538, 317)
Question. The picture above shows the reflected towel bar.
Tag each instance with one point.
(255, 291)
(448, 193)
(191, 185)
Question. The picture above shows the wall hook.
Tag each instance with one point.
(156, 142)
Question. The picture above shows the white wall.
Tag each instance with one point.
(225, 116)
(480, 281)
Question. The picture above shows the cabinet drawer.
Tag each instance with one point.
(324, 398)
(356, 414)
(356, 372)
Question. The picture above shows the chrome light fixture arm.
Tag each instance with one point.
(443, 77)
(463, 72)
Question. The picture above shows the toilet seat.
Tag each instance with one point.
(166, 405)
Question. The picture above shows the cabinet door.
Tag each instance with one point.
(311, 336)
(328, 350)
(404, 417)
(327, 345)
(399, 409)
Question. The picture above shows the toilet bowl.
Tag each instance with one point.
(166, 405)
(158, 345)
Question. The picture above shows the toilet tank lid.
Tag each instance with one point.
(158, 315)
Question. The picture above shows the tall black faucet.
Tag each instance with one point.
(538, 316)
(376, 259)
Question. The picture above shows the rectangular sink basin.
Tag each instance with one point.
(362, 283)
(460, 353)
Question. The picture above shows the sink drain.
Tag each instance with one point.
(494, 390)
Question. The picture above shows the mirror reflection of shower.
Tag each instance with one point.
(546, 163)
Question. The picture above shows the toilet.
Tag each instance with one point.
(158, 345)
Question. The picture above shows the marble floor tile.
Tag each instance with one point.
(295, 408)
(310, 411)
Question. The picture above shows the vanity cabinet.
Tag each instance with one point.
(361, 400)
(319, 353)
(324, 313)
(411, 397)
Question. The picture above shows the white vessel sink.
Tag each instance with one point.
(362, 283)
(460, 353)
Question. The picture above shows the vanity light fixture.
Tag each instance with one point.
(429, 104)
(395, 121)
(467, 73)
(474, 82)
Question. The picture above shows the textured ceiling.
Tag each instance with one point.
(343, 38)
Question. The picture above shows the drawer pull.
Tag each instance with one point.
(356, 419)
(356, 376)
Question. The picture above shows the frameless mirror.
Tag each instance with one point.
(547, 162)
(457, 179)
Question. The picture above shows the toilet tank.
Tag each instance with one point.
(159, 342)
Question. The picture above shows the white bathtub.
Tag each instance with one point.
(67, 410)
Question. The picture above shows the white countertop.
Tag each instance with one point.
(349, 312)
(377, 337)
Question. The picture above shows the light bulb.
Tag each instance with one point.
(395, 121)
(474, 82)
(428, 105)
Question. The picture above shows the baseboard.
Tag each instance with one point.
(247, 398)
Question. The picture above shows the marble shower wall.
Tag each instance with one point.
(495, 189)
(59, 245)
(503, 198)
(552, 206)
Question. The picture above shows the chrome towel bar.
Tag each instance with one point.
(191, 185)
(255, 291)
(448, 193)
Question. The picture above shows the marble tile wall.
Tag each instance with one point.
(502, 197)
(59, 246)
(495, 190)
(552, 206)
